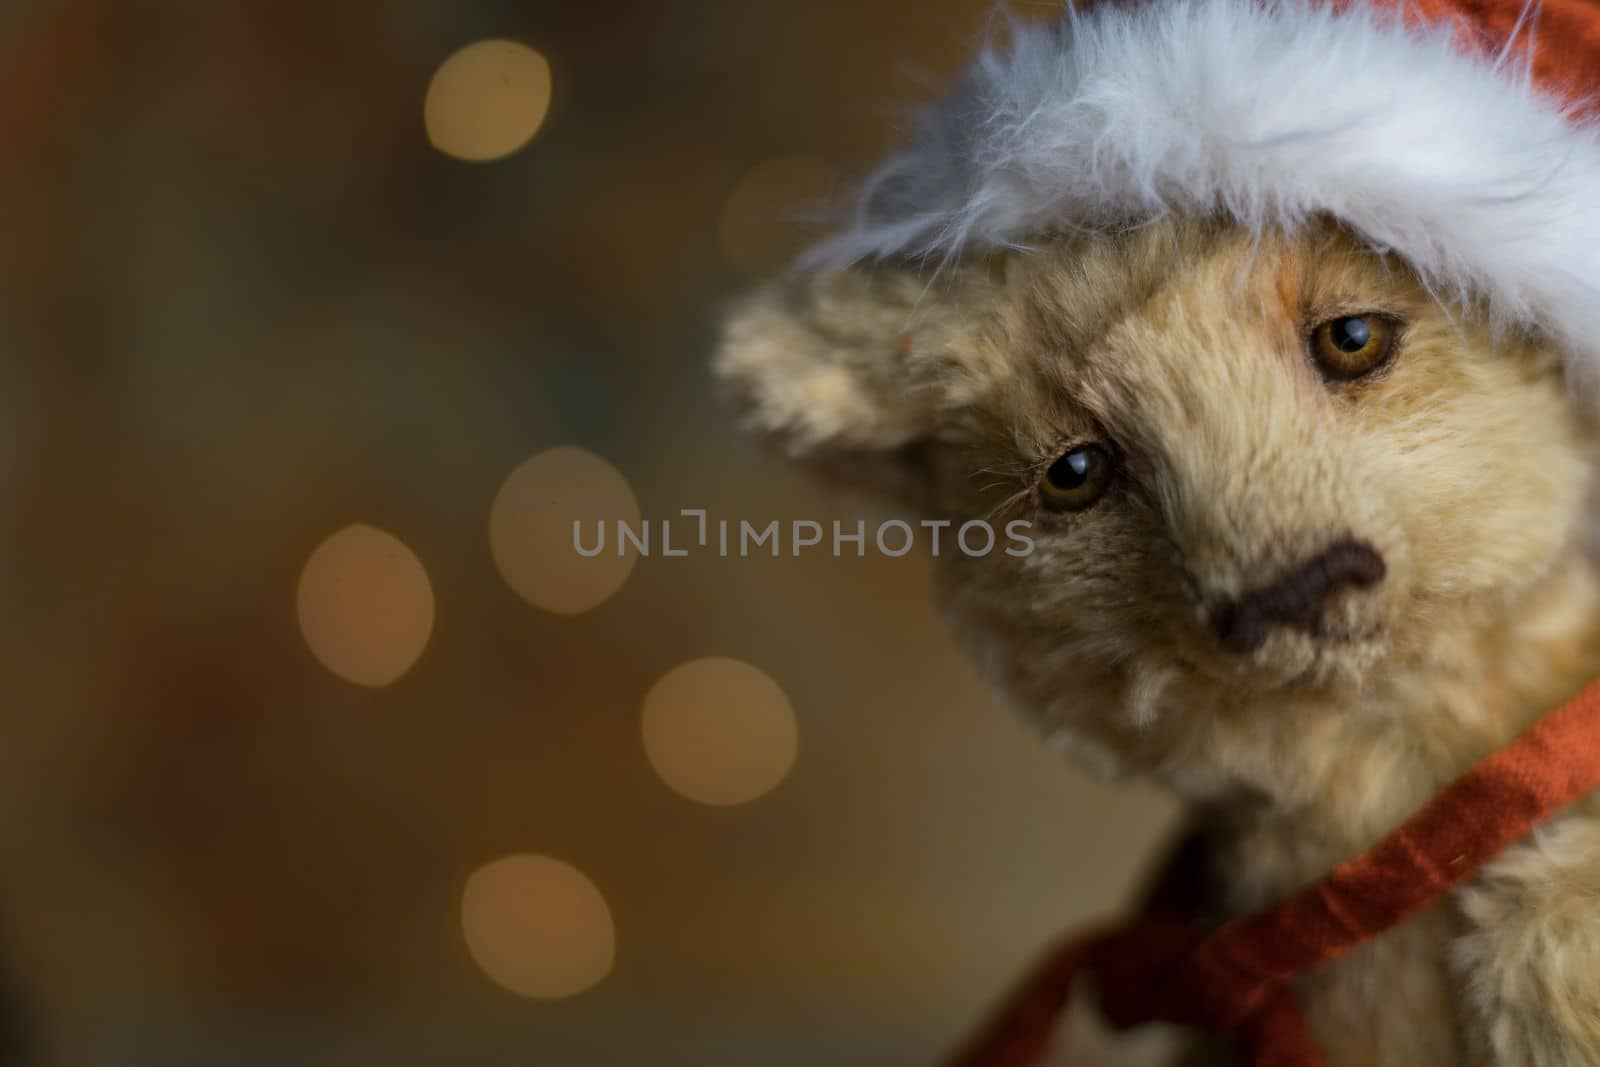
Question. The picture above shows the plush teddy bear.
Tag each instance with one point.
(1278, 323)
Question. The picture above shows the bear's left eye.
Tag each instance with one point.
(1077, 479)
(1353, 345)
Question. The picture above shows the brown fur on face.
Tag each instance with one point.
(1462, 463)
(1463, 466)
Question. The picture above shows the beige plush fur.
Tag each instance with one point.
(1467, 462)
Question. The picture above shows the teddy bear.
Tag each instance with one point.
(1277, 321)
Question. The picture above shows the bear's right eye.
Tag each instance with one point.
(1077, 479)
(1350, 346)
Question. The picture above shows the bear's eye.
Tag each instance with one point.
(1353, 345)
(1076, 480)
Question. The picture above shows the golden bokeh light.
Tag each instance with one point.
(719, 731)
(772, 213)
(537, 926)
(365, 605)
(487, 100)
(531, 530)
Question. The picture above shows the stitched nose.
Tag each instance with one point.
(1297, 598)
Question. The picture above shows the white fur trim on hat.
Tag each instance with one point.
(1271, 112)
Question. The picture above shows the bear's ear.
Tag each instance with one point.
(839, 371)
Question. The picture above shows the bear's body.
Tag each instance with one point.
(1304, 598)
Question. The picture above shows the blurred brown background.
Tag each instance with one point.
(248, 301)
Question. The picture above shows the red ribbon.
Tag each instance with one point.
(1233, 981)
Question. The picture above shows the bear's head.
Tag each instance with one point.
(1257, 467)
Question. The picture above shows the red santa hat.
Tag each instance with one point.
(1460, 134)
